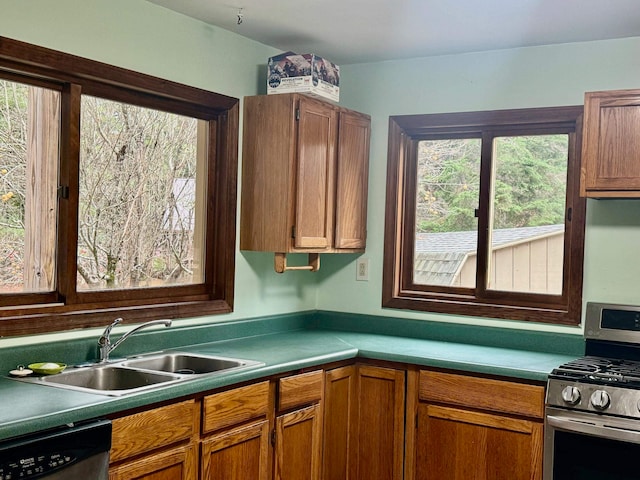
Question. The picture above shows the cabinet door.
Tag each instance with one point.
(268, 158)
(239, 454)
(298, 444)
(611, 144)
(179, 463)
(456, 444)
(338, 435)
(315, 173)
(380, 423)
(352, 177)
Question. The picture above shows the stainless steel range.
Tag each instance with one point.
(592, 423)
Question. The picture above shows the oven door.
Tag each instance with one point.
(586, 446)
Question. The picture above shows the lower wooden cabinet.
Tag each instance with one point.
(464, 445)
(339, 429)
(238, 454)
(355, 422)
(471, 428)
(298, 447)
(157, 444)
(179, 463)
(380, 423)
(236, 434)
(364, 423)
(298, 427)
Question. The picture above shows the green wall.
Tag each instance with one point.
(519, 78)
(144, 37)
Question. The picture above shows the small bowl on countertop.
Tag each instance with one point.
(47, 368)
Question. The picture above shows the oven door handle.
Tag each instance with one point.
(597, 430)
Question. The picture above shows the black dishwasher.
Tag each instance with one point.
(78, 451)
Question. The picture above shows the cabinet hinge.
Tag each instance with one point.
(63, 191)
(297, 114)
(293, 231)
(273, 437)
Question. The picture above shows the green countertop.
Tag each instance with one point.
(27, 408)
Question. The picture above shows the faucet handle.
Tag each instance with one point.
(104, 339)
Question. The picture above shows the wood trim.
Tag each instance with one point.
(224, 205)
(410, 427)
(482, 393)
(70, 68)
(483, 419)
(69, 177)
(30, 321)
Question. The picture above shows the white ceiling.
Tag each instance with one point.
(359, 31)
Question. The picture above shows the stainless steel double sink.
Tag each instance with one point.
(142, 373)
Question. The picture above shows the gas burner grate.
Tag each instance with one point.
(602, 369)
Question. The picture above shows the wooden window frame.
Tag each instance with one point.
(399, 290)
(65, 309)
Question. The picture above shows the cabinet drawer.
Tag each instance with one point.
(298, 390)
(160, 427)
(482, 393)
(235, 406)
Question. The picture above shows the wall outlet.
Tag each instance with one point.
(362, 269)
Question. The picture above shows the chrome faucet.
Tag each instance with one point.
(104, 342)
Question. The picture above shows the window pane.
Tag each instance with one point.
(448, 185)
(528, 203)
(29, 152)
(141, 208)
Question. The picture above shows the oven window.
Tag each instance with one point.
(582, 457)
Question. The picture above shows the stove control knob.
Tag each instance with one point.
(571, 395)
(600, 400)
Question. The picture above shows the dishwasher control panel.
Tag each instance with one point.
(71, 452)
(34, 466)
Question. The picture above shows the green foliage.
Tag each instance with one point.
(530, 186)
(529, 182)
(448, 185)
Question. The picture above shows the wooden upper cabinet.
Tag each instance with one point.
(315, 157)
(611, 145)
(304, 176)
(352, 181)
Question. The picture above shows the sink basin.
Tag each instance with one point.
(186, 364)
(108, 380)
(141, 373)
